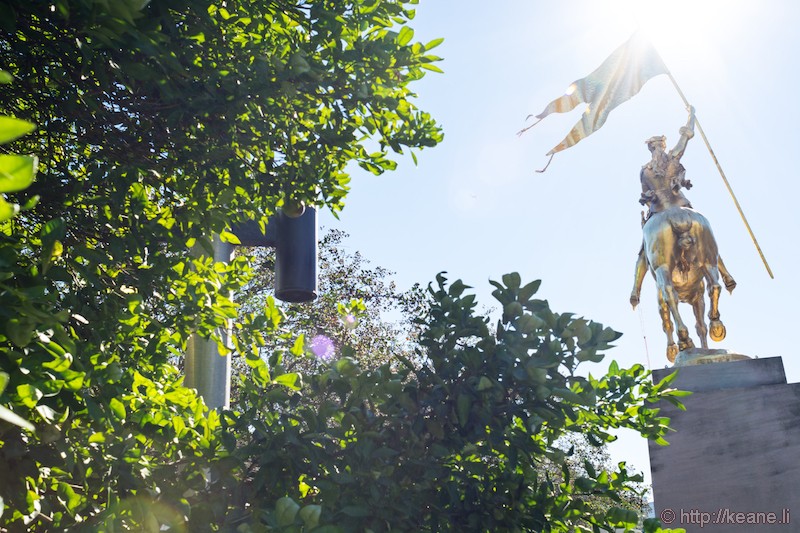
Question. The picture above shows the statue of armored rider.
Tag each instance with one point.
(662, 179)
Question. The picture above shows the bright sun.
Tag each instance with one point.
(686, 28)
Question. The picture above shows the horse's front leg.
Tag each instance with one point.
(716, 327)
(699, 308)
(638, 277)
(727, 279)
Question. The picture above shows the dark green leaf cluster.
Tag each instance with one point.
(158, 124)
(204, 107)
(465, 442)
(371, 335)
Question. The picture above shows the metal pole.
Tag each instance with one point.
(721, 173)
(207, 370)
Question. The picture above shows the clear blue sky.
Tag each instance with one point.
(475, 207)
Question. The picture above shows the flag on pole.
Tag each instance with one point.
(618, 79)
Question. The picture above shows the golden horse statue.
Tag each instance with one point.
(678, 248)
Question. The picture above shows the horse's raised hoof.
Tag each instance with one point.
(716, 330)
(672, 352)
(686, 344)
(730, 283)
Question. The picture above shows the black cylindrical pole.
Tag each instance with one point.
(296, 257)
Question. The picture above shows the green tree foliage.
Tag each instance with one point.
(379, 326)
(383, 331)
(463, 442)
(157, 124)
(16, 174)
(584, 457)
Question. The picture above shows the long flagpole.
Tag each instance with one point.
(724, 178)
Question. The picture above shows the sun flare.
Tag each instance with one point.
(682, 29)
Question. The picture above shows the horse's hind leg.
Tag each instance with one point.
(699, 308)
(668, 294)
(716, 327)
(666, 323)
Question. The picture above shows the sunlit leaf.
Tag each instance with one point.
(16, 172)
(13, 128)
(405, 35)
(13, 418)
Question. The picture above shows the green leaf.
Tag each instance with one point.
(227, 236)
(298, 348)
(405, 36)
(512, 310)
(512, 280)
(69, 497)
(310, 515)
(117, 408)
(10, 416)
(51, 233)
(29, 395)
(59, 364)
(16, 172)
(53, 230)
(529, 323)
(582, 331)
(31, 202)
(430, 45)
(346, 366)
(293, 380)
(569, 395)
(589, 467)
(622, 517)
(285, 511)
(7, 210)
(12, 128)
(457, 288)
(3, 381)
(529, 290)
(20, 333)
(6, 77)
(585, 484)
(431, 67)
(677, 393)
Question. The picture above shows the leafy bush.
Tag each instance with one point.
(160, 123)
(457, 444)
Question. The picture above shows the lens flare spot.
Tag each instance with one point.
(350, 321)
(322, 347)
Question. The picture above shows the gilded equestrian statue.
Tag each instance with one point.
(678, 247)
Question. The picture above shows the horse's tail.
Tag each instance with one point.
(681, 223)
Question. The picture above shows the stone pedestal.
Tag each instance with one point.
(733, 463)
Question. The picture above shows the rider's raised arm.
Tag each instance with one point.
(687, 132)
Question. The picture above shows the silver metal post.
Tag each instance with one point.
(207, 370)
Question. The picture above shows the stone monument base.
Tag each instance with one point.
(733, 463)
(704, 356)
